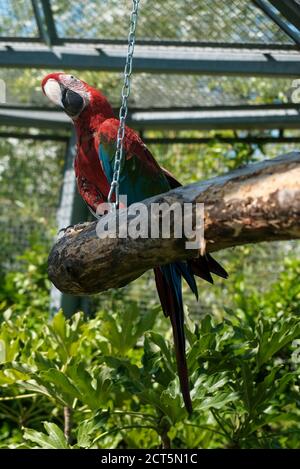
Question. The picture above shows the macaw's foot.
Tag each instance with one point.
(71, 228)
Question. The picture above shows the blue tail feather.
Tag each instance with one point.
(169, 286)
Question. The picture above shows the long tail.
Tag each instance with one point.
(203, 266)
(168, 283)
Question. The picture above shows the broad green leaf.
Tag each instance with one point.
(247, 385)
(218, 401)
(59, 325)
(62, 383)
(172, 402)
(274, 337)
(85, 432)
(56, 435)
(54, 439)
(2, 351)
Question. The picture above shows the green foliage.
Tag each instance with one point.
(116, 375)
(54, 439)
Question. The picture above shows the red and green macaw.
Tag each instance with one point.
(141, 177)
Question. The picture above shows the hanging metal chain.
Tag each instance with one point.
(114, 187)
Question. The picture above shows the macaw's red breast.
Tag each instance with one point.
(87, 163)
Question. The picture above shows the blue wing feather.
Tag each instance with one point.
(134, 181)
(106, 163)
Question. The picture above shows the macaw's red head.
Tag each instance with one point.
(76, 97)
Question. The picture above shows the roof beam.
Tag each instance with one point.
(176, 43)
(210, 61)
(49, 21)
(269, 11)
(45, 22)
(253, 117)
(156, 43)
(231, 119)
(218, 138)
(289, 9)
(249, 139)
(36, 137)
(42, 119)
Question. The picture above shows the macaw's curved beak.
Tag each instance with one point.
(71, 101)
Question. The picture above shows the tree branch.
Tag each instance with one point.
(258, 202)
(68, 423)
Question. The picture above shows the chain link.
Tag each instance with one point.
(114, 187)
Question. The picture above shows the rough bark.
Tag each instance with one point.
(258, 202)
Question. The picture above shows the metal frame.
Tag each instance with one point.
(45, 22)
(220, 139)
(221, 61)
(249, 139)
(289, 9)
(152, 42)
(180, 44)
(35, 137)
(265, 6)
(235, 117)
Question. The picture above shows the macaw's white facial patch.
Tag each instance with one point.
(53, 91)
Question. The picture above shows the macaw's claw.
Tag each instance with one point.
(71, 228)
(63, 230)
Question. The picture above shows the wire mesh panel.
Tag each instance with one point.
(30, 182)
(17, 19)
(155, 91)
(183, 21)
(191, 90)
(169, 20)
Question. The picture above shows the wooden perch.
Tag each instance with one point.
(258, 202)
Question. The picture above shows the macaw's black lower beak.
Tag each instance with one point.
(72, 102)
